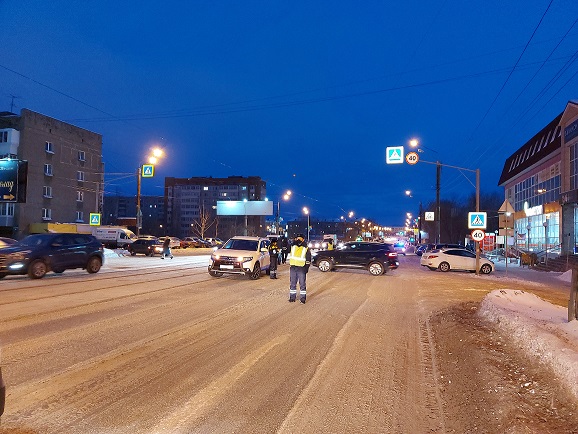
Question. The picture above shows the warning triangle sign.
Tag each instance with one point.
(477, 221)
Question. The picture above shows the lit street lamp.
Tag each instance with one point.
(306, 211)
(148, 171)
(286, 196)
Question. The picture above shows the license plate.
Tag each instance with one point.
(227, 267)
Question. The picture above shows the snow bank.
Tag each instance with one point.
(541, 329)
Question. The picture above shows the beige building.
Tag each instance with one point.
(65, 174)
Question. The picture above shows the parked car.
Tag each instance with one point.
(215, 241)
(455, 259)
(419, 250)
(146, 246)
(241, 255)
(377, 258)
(6, 242)
(191, 242)
(37, 254)
(175, 242)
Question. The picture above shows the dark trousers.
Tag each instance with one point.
(273, 267)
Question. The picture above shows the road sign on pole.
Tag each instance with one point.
(477, 220)
(412, 158)
(148, 170)
(394, 155)
(478, 235)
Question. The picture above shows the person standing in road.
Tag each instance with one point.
(284, 246)
(299, 261)
(273, 256)
(167, 248)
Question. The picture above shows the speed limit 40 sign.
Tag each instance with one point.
(478, 235)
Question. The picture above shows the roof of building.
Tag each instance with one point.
(547, 141)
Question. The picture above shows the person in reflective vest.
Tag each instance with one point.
(299, 261)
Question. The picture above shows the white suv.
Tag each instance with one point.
(241, 255)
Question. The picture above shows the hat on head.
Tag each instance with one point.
(300, 236)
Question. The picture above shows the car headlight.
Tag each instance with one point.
(245, 259)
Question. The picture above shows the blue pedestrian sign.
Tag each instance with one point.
(477, 220)
(148, 170)
(94, 219)
(394, 155)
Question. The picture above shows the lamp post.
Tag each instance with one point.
(546, 239)
(528, 228)
(306, 212)
(286, 196)
(153, 159)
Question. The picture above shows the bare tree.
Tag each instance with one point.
(204, 222)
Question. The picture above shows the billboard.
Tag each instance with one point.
(240, 207)
(13, 176)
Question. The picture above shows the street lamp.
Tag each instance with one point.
(152, 160)
(286, 196)
(306, 211)
(546, 239)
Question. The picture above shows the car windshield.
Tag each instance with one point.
(34, 240)
(236, 244)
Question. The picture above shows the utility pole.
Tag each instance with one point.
(438, 205)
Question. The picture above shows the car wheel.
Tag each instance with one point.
(324, 265)
(215, 273)
(37, 269)
(486, 269)
(376, 268)
(256, 273)
(133, 253)
(93, 265)
(444, 266)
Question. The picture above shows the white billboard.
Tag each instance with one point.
(239, 207)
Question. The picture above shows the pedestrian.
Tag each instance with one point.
(273, 257)
(299, 261)
(284, 245)
(167, 248)
(330, 244)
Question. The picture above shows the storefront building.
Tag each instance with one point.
(541, 182)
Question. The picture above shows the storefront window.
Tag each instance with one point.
(538, 238)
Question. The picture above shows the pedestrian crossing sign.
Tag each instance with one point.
(94, 219)
(394, 155)
(477, 220)
(148, 170)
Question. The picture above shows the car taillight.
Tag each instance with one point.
(392, 254)
(432, 256)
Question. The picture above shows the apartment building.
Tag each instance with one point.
(121, 210)
(191, 203)
(65, 172)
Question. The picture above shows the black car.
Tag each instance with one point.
(146, 246)
(37, 254)
(377, 258)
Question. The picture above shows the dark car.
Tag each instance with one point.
(37, 254)
(377, 258)
(7, 242)
(146, 246)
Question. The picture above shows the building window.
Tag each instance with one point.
(49, 148)
(79, 216)
(48, 169)
(47, 191)
(3, 136)
(7, 209)
(81, 156)
(46, 214)
(80, 175)
(80, 196)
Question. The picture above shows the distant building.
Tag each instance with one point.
(191, 206)
(65, 171)
(121, 210)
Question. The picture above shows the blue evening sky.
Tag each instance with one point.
(305, 94)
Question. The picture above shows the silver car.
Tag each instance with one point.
(455, 259)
